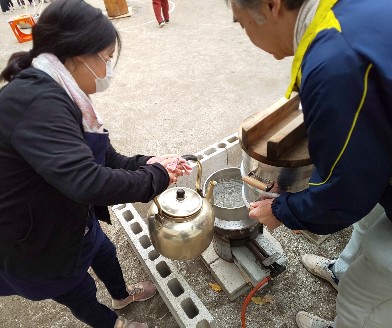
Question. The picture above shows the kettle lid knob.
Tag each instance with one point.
(180, 195)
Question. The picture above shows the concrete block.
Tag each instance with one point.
(214, 159)
(271, 246)
(234, 151)
(226, 153)
(245, 259)
(182, 301)
(209, 256)
(229, 278)
(317, 239)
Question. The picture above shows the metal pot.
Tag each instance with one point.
(228, 212)
(232, 220)
(280, 179)
(181, 221)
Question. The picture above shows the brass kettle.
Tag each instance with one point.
(181, 221)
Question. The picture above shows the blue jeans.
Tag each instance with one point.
(82, 300)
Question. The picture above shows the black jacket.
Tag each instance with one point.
(48, 178)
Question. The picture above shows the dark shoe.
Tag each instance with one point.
(167, 21)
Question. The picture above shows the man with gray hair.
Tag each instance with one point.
(342, 69)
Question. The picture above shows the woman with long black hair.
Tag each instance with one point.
(59, 171)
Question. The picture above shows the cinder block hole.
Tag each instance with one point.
(128, 215)
(203, 324)
(189, 308)
(175, 287)
(232, 139)
(210, 151)
(221, 145)
(145, 241)
(136, 228)
(120, 207)
(153, 255)
(200, 157)
(163, 269)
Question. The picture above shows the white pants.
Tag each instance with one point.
(354, 247)
(365, 289)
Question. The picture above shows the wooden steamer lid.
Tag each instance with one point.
(277, 136)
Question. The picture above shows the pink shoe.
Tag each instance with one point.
(121, 322)
(137, 293)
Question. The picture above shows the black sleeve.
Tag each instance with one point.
(118, 161)
(49, 137)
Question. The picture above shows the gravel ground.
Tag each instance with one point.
(180, 89)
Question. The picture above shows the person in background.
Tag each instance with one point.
(4, 6)
(11, 5)
(161, 7)
(343, 73)
(59, 171)
(21, 4)
(7, 6)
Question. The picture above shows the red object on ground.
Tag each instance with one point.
(14, 24)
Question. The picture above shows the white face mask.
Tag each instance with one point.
(103, 84)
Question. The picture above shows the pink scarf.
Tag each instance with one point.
(52, 66)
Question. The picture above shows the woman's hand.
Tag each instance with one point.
(175, 165)
(158, 159)
(262, 212)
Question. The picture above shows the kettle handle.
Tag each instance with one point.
(158, 222)
(190, 158)
(158, 205)
(199, 172)
(158, 217)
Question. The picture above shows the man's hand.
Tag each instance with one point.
(262, 212)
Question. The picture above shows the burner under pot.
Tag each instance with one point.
(232, 221)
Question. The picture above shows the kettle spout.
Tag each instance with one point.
(210, 192)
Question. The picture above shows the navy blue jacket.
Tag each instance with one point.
(49, 177)
(343, 72)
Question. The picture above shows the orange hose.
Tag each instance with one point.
(248, 298)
